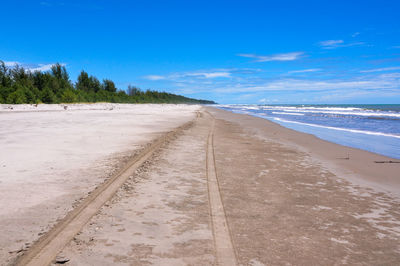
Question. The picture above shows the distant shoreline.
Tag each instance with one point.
(374, 128)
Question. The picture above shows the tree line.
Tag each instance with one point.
(19, 85)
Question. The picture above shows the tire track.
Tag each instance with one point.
(224, 248)
(49, 245)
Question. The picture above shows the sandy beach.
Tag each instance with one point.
(226, 189)
(51, 158)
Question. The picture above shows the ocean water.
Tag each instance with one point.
(374, 128)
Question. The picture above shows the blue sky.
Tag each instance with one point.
(227, 51)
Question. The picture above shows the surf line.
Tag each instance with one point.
(224, 248)
(340, 129)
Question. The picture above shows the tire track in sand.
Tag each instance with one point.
(47, 247)
(224, 247)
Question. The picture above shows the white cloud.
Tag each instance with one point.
(355, 34)
(305, 70)
(266, 100)
(332, 44)
(10, 63)
(41, 67)
(380, 69)
(154, 77)
(30, 67)
(209, 75)
(381, 82)
(276, 57)
(261, 83)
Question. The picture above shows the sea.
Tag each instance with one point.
(371, 127)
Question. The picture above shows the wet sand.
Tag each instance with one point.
(356, 165)
(288, 198)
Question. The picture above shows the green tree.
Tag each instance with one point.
(68, 96)
(88, 83)
(47, 96)
(41, 80)
(29, 95)
(83, 82)
(17, 97)
(81, 96)
(95, 84)
(60, 79)
(133, 91)
(5, 76)
(18, 85)
(109, 85)
(21, 77)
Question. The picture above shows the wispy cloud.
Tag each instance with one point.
(380, 83)
(266, 100)
(82, 5)
(380, 69)
(41, 67)
(333, 44)
(201, 74)
(209, 75)
(304, 70)
(30, 67)
(45, 3)
(52, 3)
(11, 63)
(355, 34)
(275, 57)
(244, 71)
(258, 83)
(154, 77)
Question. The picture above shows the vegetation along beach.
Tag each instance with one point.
(200, 133)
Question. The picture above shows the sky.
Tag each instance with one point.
(250, 52)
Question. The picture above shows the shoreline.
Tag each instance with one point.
(355, 164)
(366, 129)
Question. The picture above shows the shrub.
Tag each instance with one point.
(17, 97)
(68, 96)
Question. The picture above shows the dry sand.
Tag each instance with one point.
(160, 216)
(289, 199)
(51, 157)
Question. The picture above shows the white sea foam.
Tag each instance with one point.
(340, 129)
(286, 113)
(354, 111)
(365, 113)
(312, 108)
(249, 107)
